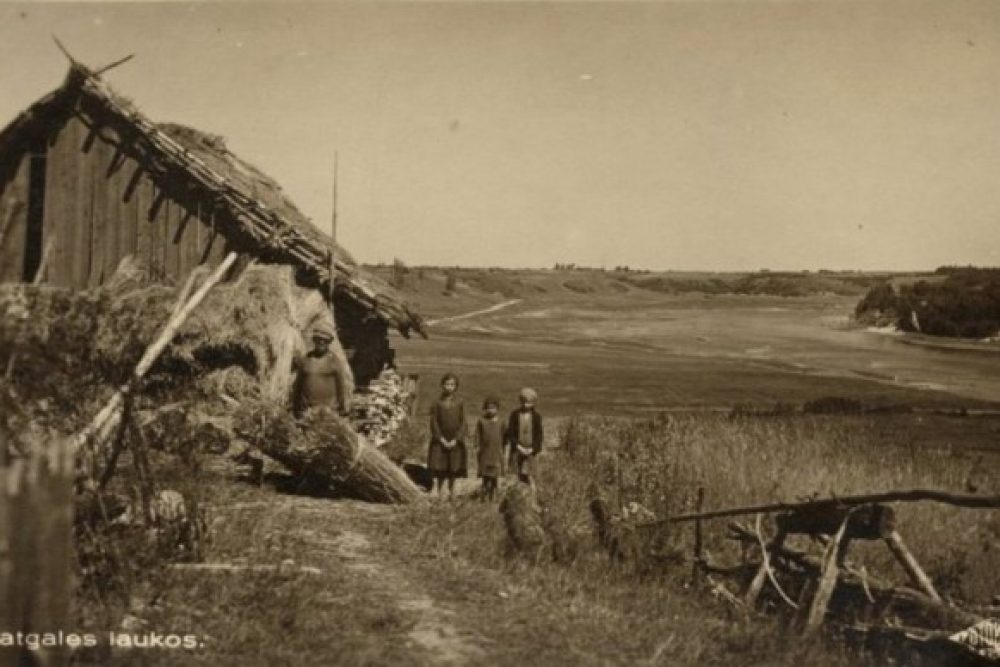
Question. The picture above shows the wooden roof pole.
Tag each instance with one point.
(333, 234)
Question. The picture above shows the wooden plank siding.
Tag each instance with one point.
(110, 185)
(14, 213)
(102, 205)
(82, 219)
(60, 193)
(97, 157)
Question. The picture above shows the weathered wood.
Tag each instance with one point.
(43, 265)
(865, 584)
(158, 213)
(109, 175)
(60, 190)
(144, 229)
(255, 220)
(98, 156)
(914, 495)
(83, 218)
(606, 533)
(14, 222)
(112, 65)
(36, 550)
(699, 549)
(129, 211)
(913, 570)
(185, 237)
(868, 522)
(757, 584)
(829, 574)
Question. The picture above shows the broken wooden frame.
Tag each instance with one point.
(838, 522)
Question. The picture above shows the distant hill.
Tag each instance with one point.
(443, 291)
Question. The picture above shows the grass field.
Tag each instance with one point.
(646, 610)
(647, 381)
(613, 355)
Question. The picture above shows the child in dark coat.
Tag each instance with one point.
(524, 435)
(446, 455)
(490, 442)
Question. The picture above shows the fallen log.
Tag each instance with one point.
(909, 645)
(323, 448)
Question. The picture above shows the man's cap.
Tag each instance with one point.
(322, 331)
(528, 394)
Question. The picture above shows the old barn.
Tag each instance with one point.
(87, 180)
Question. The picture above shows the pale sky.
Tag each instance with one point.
(696, 135)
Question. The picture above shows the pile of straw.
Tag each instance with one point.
(253, 323)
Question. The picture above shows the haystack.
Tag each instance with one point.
(253, 323)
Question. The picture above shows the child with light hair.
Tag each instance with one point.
(524, 435)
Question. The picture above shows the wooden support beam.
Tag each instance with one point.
(757, 585)
(699, 549)
(865, 522)
(12, 210)
(103, 424)
(829, 573)
(970, 501)
(916, 573)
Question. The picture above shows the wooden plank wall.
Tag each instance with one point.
(101, 205)
(13, 218)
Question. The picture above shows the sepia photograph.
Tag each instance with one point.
(420, 333)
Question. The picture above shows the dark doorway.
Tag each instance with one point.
(36, 211)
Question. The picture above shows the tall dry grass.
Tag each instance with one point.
(636, 605)
(663, 461)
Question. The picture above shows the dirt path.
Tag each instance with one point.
(484, 311)
(437, 635)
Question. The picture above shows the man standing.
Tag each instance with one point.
(323, 379)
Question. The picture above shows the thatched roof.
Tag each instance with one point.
(252, 198)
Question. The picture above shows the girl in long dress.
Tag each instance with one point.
(446, 455)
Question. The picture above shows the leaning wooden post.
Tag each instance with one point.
(104, 422)
(916, 573)
(835, 552)
(757, 585)
(12, 210)
(699, 549)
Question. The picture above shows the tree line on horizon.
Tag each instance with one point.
(965, 304)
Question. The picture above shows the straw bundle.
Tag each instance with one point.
(523, 518)
(323, 447)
